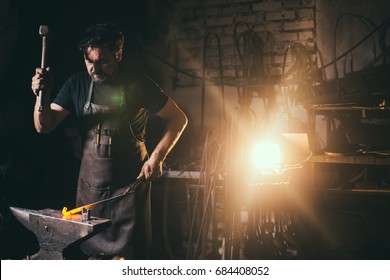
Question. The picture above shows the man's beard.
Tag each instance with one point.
(101, 79)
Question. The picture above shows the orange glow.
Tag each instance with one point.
(65, 211)
(73, 217)
(266, 157)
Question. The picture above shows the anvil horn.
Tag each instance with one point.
(22, 215)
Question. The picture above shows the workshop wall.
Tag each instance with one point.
(229, 44)
(263, 57)
(276, 23)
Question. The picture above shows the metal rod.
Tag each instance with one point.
(130, 189)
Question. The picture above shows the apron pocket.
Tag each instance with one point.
(103, 151)
(87, 194)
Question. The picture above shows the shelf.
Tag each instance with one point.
(347, 107)
(365, 111)
(360, 191)
(351, 159)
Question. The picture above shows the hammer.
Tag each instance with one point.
(43, 30)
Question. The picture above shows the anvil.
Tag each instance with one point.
(56, 232)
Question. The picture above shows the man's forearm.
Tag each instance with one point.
(175, 123)
(43, 121)
(169, 139)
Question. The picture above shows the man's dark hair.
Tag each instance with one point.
(102, 35)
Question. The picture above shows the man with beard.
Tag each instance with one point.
(112, 108)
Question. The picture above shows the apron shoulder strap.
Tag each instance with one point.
(89, 97)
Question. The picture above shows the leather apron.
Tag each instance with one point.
(112, 159)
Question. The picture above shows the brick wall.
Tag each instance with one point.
(277, 23)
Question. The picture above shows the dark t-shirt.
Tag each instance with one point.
(141, 96)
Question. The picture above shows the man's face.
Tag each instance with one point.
(101, 64)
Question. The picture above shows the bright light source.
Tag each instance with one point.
(266, 157)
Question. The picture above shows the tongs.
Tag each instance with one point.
(129, 190)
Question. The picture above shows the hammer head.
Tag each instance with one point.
(43, 30)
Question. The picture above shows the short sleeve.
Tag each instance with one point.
(72, 95)
(64, 96)
(154, 97)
